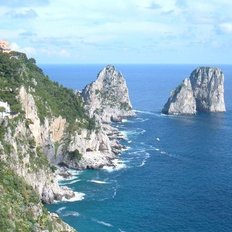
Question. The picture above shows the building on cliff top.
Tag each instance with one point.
(4, 46)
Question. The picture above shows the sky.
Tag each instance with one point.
(119, 31)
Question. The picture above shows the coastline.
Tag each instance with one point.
(65, 174)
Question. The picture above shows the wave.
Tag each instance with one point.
(135, 120)
(71, 182)
(117, 165)
(98, 182)
(78, 197)
(147, 156)
(62, 179)
(125, 134)
(74, 172)
(137, 152)
(128, 133)
(67, 213)
(146, 112)
(127, 148)
(60, 209)
(102, 222)
(173, 156)
(115, 192)
(142, 164)
(137, 131)
(71, 213)
(142, 119)
(120, 230)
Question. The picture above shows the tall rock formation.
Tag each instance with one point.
(203, 91)
(107, 97)
(208, 89)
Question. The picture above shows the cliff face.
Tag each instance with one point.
(81, 148)
(21, 209)
(49, 125)
(107, 97)
(208, 89)
(203, 91)
(181, 100)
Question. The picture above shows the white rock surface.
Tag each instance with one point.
(108, 97)
(203, 91)
(208, 89)
(96, 148)
(6, 109)
(181, 101)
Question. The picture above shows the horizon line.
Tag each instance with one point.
(210, 64)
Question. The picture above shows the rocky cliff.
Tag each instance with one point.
(27, 177)
(49, 125)
(21, 208)
(107, 97)
(203, 91)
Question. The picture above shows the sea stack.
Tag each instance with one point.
(203, 91)
(107, 98)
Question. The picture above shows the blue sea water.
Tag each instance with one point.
(177, 171)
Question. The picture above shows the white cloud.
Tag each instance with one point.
(64, 53)
(30, 51)
(22, 14)
(225, 28)
(63, 29)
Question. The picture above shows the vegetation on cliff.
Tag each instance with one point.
(52, 99)
(21, 209)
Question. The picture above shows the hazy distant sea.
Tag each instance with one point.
(177, 172)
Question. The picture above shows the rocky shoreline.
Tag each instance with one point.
(102, 148)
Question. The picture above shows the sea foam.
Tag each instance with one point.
(78, 197)
(71, 213)
(102, 222)
(98, 182)
(117, 165)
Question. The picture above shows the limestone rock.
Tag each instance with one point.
(203, 91)
(208, 89)
(181, 100)
(107, 97)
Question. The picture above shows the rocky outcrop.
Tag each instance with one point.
(181, 101)
(61, 147)
(30, 162)
(80, 149)
(107, 98)
(208, 89)
(203, 91)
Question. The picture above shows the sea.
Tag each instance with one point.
(176, 174)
